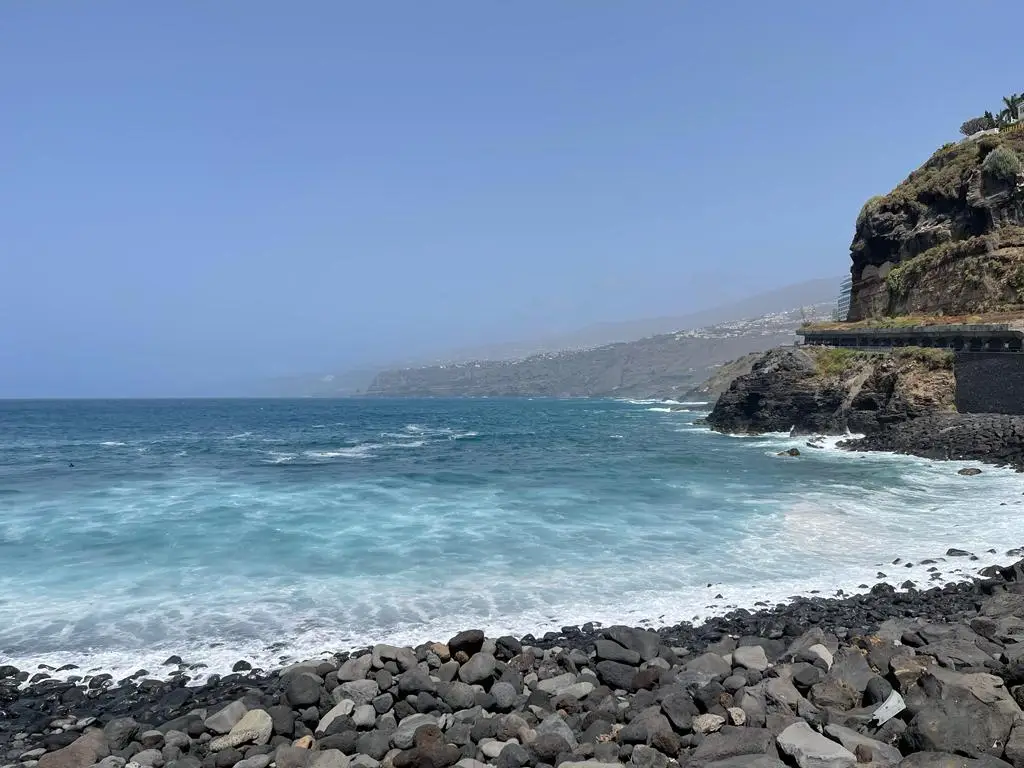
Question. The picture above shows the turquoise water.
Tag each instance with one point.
(269, 530)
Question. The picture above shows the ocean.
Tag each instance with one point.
(275, 530)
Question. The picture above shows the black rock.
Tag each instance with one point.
(508, 647)
(120, 732)
(680, 709)
(241, 666)
(513, 756)
(468, 642)
(303, 690)
(283, 719)
(616, 675)
(877, 691)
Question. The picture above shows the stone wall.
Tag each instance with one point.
(989, 382)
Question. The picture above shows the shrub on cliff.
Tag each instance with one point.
(975, 124)
(835, 361)
(1002, 163)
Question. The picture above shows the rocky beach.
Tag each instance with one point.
(931, 677)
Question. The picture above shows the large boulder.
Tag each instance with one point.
(469, 642)
(255, 727)
(224, 719)
(478, 669)
(88, 749)
(609, 650)
(304, 689)
(810, 749)
(968, 714)
(709, 663)
(731, 742)
(867, 749)
(643, 642)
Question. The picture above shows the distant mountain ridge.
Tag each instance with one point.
(668, 365)
(356, 381)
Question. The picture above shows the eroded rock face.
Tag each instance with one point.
(811, 390)
(961, 224)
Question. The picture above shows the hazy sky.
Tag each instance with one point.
(196, 192)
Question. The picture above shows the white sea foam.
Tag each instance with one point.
(113, 443)
(351, 452)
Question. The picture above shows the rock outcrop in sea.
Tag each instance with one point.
(814, 390)
(909, 678)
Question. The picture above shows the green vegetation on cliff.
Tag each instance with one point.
(949, 239)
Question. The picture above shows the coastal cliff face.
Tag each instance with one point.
(949, 239)
(811, 390)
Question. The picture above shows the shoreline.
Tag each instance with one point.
(935, 570)
(410, 686)
(902, 575)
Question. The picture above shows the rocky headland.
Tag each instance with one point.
(946, 244)
(886, 678)
(818, 390)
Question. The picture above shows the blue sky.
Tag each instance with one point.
(195, 192)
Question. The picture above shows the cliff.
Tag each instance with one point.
(812, 390)
(949, 239)
(665, 366)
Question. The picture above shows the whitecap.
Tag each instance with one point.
(352, 452)
(113, 443)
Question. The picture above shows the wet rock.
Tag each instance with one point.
(969, 471)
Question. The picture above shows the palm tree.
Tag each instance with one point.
(1013, 103)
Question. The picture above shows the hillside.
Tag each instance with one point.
(666, 365)
(949, 239)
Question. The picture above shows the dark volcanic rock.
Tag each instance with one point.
(468, 642)
(992, 438)
(789, 389)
